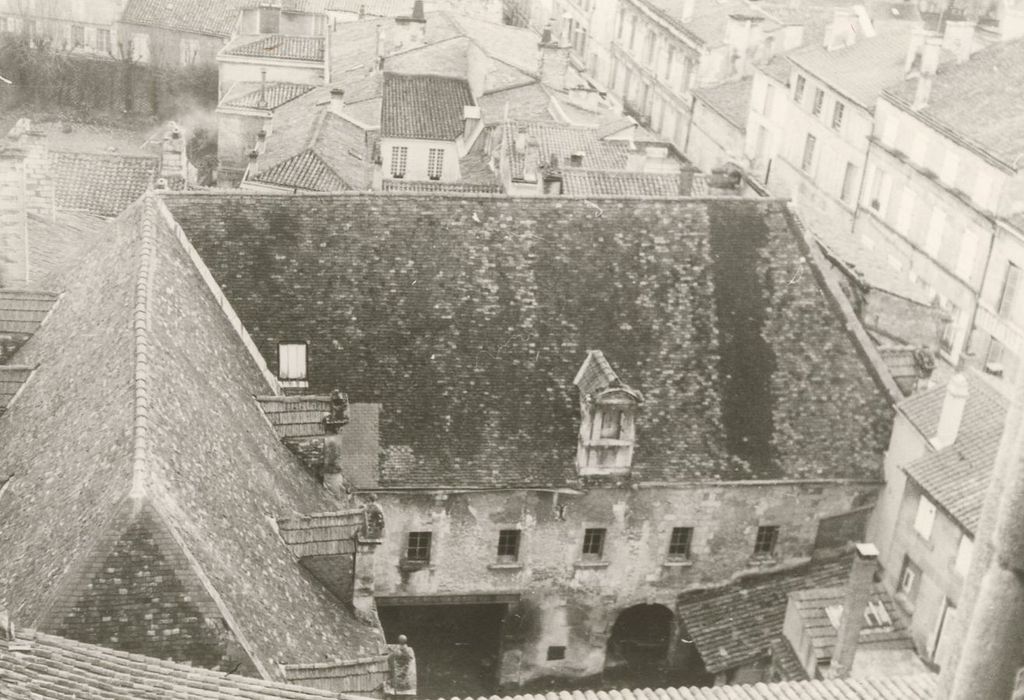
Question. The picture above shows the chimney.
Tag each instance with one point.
(636, 159)
(334, 457)
(417, 11)
(576, 159)
(40, 197)
(520, 140)
(14, 268)
(173, 158)
(858, 593)
(554, 60)
(687, 12)
(953, 405)
(914, 47)
(531, 159)
(929, 63)
(552, 177)
(337, 101)
(958, 39)
(254, 164)
(262, 103)
(842, 31)
(471, 119)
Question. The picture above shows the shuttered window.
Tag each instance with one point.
(291, 361)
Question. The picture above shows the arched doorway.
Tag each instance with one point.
(649, 645)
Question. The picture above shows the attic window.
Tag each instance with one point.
(291, 364)
(607, 418)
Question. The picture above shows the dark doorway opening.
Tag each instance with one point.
(457, 646)
(649, 648)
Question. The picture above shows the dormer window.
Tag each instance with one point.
(291, 364)
(607, 419)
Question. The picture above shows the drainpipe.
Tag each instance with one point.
(977, 297)
(860, 187)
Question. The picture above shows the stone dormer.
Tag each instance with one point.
(608, 411)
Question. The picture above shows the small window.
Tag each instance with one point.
(435, 163)
(556, 653)
(1008, 295)
(909, 579)
(925, 518)
(593, 542)
(611, 423)
(808, 158)
(291, 361)
(849, 183)
(508, 545)
(767, 538)
(77, 35)
(837, 115)
(103, 40)
(418, 548)
(679, 543)
(819, 101)
(399, 159)
(964, 552)
(798, 92)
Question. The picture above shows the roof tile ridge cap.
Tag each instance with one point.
(143, 348)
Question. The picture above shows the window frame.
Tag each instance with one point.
(909, 581)
(964, 555)
(924, 517)
(509, 542)
(847, 188)
(838, 114)
(418, 546)
(300, 379)
(799, 88)
(818, 103)
(807, 159)
(766, 541)
(399, 155)
(435, 168)
(594, 538)
(680, 544)
(1009, 290)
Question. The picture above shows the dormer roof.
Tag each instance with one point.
(596, 378)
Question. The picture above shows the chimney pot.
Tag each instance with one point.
(953, 405)
(576, 159)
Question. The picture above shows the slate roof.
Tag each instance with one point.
(979, 103)
(55, 247)
(424, 107)
(599, 183)
(22, 310)
(159, 411)
(100, 183)
(859, 72)
(916, 687)
(272, 95)
(810, 604)
(736, 623)
(443, 308)
(956, 477)
(294, 48)
(731, 100)
(38, 665)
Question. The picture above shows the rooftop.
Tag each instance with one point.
(735, 624)
(859, 72)
(602, 183)
(731, 100)
(870, 266)
(135, 333)
(916, 687)
(99, 183)
(710, 17)
(37, 665)
(269, 96)
(293, 48)
(424, 107)
(562, 141)
(979, 102)
(442, 308)
(957, 476)
(195, 16)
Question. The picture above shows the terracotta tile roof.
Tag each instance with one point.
(599, 183)
(272, 96)
(810, 605)
(22, 310)
(37, 665)
(294, 48)
(736, 624)
(303, 171)
(731, 100)
(99, 183)
(859, 72)
(423, 107)
(957, 476)
(512, 292)
(193, 16)
(529, 102)
(979, 103)
(786, 661)
(353, 45)
(562, 141)
(517, 47)
(155, 400)
(917, 687)
(435, 186)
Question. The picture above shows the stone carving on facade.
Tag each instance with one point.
(373, 521)
(401, 678)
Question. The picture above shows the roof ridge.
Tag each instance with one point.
(142, 346)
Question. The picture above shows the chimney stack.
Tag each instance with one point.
(923, 63)
(173, 159)
(842, 31)
(952, 415)
(858, 593)
(254, 164)
(337, 101)
(554, 60)
(470, 120)
(958, 39)
(688, 8)
(13, 218)
(531, 159)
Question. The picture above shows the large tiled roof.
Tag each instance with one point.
(468, 317)
(55, 246)
(35, 665)
(859, 72)
(303, 171)
(516, 47)
(100, 183)
(979, 102)
(530, 102)
(295, 48)
(731, 100)
(142, 378)
(424, 107)
(916, 687)
(562, 141)
(22, 310)
(601, 183)
(269, 96)
(194, 16)
(957, 476)
(710, 17)
(736, 624)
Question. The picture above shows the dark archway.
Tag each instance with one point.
(647, 646)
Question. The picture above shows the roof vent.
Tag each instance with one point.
(576, 159)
